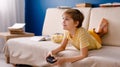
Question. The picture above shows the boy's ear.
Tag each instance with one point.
(76, 24)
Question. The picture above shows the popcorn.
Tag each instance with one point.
(57, 37)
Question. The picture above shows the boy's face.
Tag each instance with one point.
(68, 22)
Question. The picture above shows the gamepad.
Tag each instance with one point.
(51, 59)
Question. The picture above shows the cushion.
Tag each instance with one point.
(112, 15)
(53, 20)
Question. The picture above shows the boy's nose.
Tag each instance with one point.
(63, 21)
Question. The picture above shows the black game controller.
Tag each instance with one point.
(51, 59)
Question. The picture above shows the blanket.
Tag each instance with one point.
(31, 52)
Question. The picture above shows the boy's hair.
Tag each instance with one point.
(76, 16)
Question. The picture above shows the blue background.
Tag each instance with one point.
(35, 11)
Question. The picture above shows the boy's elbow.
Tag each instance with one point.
(84, 56)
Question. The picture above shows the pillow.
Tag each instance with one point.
(53, 20)
(112, 15)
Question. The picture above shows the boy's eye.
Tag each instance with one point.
(66, 19)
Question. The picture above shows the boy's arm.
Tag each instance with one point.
(61, 47)
(83, 54)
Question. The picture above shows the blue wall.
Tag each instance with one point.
(35, 11)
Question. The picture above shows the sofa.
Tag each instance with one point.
(32, 51)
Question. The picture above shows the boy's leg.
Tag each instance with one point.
(103, 27)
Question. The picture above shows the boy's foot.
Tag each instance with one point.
(103, 28)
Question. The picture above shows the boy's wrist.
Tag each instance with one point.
(52, 53)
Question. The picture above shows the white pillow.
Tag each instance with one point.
(53, 20)
(112, 14)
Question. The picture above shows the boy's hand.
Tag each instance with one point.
(49, 54)
(51, 59)
(60, 61)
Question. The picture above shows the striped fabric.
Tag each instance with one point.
(83, 39)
